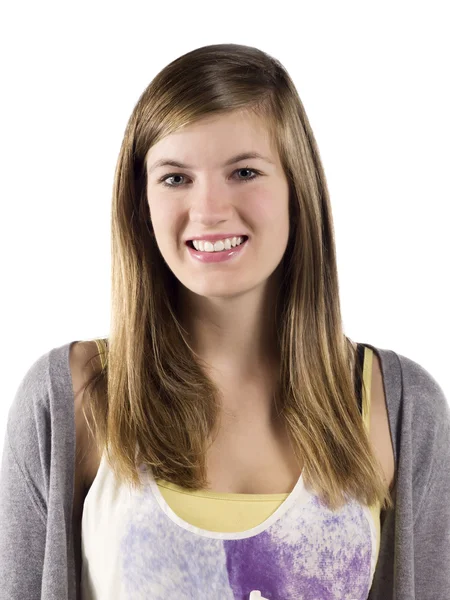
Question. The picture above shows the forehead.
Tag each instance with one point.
(214, 139)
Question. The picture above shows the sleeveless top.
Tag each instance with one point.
(167, 542)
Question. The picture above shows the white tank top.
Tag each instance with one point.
(135, 547)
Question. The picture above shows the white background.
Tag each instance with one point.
(373, 77)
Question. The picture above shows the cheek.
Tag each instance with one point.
(164, 216)
(270, 207)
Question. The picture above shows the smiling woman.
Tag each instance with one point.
(228, 369)
(227, 423)
(210, 202)
(214, 205)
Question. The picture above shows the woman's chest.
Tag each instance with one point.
(252, 459)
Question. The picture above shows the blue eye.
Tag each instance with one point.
(172, 175)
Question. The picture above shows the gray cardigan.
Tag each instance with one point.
(37, 484)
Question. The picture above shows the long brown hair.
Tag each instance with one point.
(153, 402)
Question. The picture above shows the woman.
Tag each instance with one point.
(228, 441)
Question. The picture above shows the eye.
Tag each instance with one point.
(163, 179)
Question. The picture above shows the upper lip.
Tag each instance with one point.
(213, 237)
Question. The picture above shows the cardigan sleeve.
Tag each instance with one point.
(415, 533)
(36, 485)
(22, 531)
(431, 476)
(23, 510)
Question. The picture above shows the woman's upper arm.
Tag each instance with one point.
(22, 530)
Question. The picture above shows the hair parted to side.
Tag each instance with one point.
(153, 403)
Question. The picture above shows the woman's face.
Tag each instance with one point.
(209, 198)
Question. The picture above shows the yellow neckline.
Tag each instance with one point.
(222, 495)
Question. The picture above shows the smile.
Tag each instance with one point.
(219, 245)
(219, 251)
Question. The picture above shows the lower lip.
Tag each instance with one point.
(215, 257)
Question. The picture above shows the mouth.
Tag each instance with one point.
(190, 244)
(218, 254)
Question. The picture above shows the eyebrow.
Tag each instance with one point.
(234, 159)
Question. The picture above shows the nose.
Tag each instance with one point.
(210, 204)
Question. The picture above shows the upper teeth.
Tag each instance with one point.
(205, 246)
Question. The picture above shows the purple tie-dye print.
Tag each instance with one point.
(311, 553)
(162, 561)
(303, 551)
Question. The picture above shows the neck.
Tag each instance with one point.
(235, 336)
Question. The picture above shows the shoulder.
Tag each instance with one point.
(38, 429)
(84, 362)
(426, 443)
(422, 389)
(418, 413)
(425, 413)
(408, 387)
(42, 392)
(32, 392)
(27, 426)
(380, 433)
